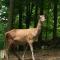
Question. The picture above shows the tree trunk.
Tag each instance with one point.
(36, 15)
(11, 15)
(20, 18)
(55, 19)
(40, 42)
(28, 15)
(48, 17)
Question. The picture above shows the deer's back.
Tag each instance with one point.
(22, 34)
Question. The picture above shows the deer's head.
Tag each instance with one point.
(42, 18)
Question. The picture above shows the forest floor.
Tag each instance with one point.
(39, 55)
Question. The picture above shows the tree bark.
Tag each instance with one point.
(20, 18)
(28, 15)
(11, 15)
(55, 19)
(36, 16)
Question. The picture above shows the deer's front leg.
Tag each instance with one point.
(31, 48)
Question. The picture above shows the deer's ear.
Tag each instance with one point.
(42, 16)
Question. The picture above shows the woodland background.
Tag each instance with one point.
(24, 14)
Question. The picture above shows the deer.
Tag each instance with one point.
(23, 36)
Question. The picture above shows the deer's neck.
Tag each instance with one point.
(39, 27)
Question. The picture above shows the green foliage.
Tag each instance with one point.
(47, 26)
(3, 11)
(2, 31)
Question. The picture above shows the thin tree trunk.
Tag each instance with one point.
(41, 7)
(36, 15)
(47, 15)
(28, 15)
(21, 13)
(32, 5)
(55, 19)
(11, 15)
(0, 4)
(20, 18)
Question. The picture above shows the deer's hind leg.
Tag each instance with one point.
(14, 46)
(26, 46)
(8, 45)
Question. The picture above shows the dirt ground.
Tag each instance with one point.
(39, 55)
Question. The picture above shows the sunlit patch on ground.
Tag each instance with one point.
(2, 54)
